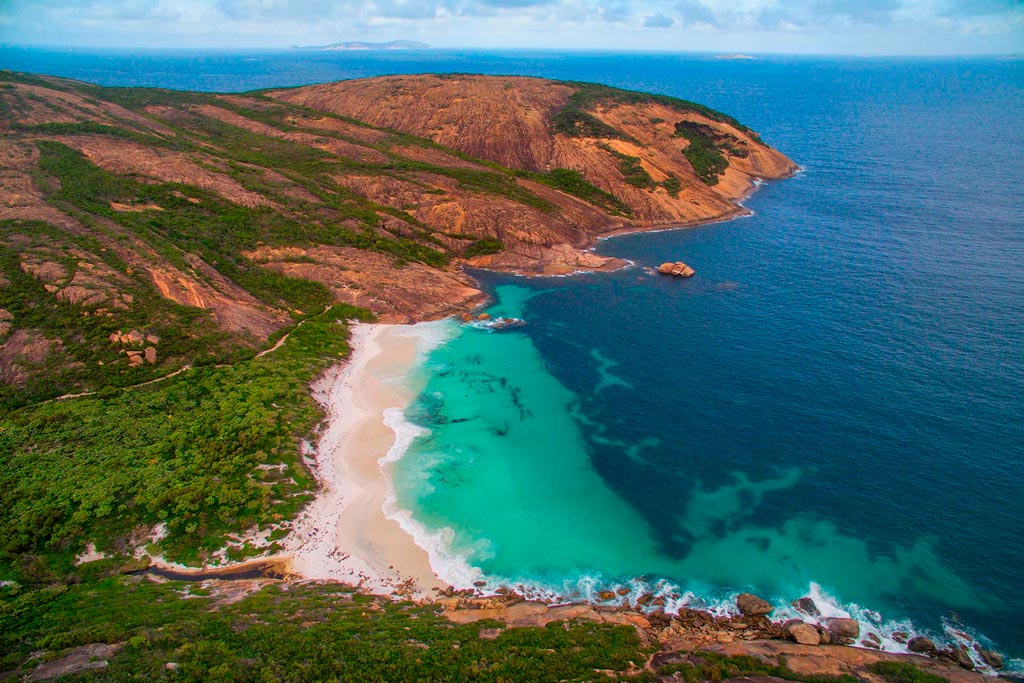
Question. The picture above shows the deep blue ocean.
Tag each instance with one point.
(836, 400)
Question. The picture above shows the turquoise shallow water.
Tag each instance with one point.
(837, 398)
(504, 469)
(832, 406)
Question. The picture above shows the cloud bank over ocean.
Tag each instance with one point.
(795, 26)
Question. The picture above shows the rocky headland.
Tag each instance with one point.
(144, 232)
(232, 215)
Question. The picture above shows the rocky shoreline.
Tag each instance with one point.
(828, 647)
(809, 646)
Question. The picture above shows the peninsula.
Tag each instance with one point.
(144, 229)
(179, 275)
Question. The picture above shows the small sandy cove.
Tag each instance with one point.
(344, 534)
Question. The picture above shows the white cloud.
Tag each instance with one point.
(726, 25)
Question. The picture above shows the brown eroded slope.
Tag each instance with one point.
(519, 123)
(211, 222)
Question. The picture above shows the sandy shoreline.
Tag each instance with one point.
(345, 534)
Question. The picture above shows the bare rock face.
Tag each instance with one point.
(76, 660)
(921, 645)
(135, 358)
(47, 271)
(5, 321)
(843, 631)
(150, 354)
(751, 605)
(993, 659)
(958, 656)
(802, 633)
(807, 606)
(677, 269)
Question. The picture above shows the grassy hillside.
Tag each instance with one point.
(175, 269)
(207, 453)
(315, 632)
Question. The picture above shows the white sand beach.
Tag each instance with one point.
(345, 534)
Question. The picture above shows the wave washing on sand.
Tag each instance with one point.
(449, 567)
(355, 531)
(344, 534)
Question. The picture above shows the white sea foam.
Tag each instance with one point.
(455, 567)
(673, 599)
(428, 335)
(448, 565)
(746, 213)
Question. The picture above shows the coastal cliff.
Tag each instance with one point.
(651, 160)
(218, 242)
(232, 216)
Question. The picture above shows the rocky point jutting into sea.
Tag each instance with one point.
(205, 226)
(377, 190)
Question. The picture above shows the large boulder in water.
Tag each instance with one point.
(807, 606)
(992, 658)
(505, 323)
(677, 269)
(802, 633)
(751, 605)
(844, 631)
(922, 645)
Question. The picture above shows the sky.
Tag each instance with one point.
(855, 27)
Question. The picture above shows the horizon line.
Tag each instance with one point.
(441, 48)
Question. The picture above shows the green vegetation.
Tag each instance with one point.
(576, 122)
(631, 169)
(704, 153)
(93, 128)
(575, 119)
(307, 633)
(303, 634)
(904, 672)
(710, 666)
(672, 185)
(572, 182)
(184, 452)
(7, 76)
(483, 247)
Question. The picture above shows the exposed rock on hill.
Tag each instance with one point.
(632, 146)
(211, 221)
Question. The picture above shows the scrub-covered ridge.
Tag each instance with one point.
(180, 262)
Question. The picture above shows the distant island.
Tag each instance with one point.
(359, 45)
